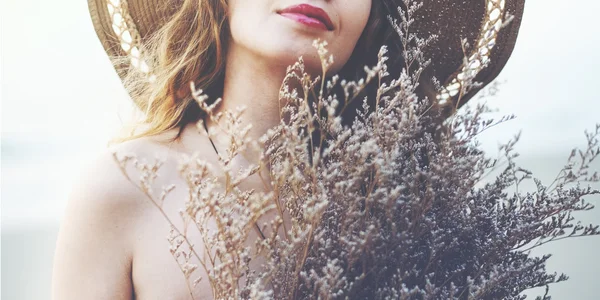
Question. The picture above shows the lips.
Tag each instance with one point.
(309, 15)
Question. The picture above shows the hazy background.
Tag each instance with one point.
(61, 101)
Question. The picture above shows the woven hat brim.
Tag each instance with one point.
(102, 21)
(457, 20)
(136, 20)
(500, 54)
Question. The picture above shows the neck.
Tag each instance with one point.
(253, 83)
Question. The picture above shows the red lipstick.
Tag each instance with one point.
(308, 15)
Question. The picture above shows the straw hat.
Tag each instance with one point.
(122, 24)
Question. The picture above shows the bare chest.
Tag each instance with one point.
(156, 272)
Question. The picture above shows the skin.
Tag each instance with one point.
(112, 242)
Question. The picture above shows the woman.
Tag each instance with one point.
(112, 242)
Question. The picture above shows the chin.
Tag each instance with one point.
(281, 47)
(288, 54)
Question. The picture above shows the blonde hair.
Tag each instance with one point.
(191, 47)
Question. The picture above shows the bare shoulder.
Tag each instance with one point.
(108, 211)
(119, 177)
(106, 206)
(108, 177)
(107, 183)
(95, 238)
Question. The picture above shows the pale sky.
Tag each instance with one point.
(59, 91)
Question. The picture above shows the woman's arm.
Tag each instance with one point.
(93, 255)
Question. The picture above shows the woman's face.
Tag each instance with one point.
(282, 30)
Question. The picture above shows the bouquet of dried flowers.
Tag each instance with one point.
(393, 206)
